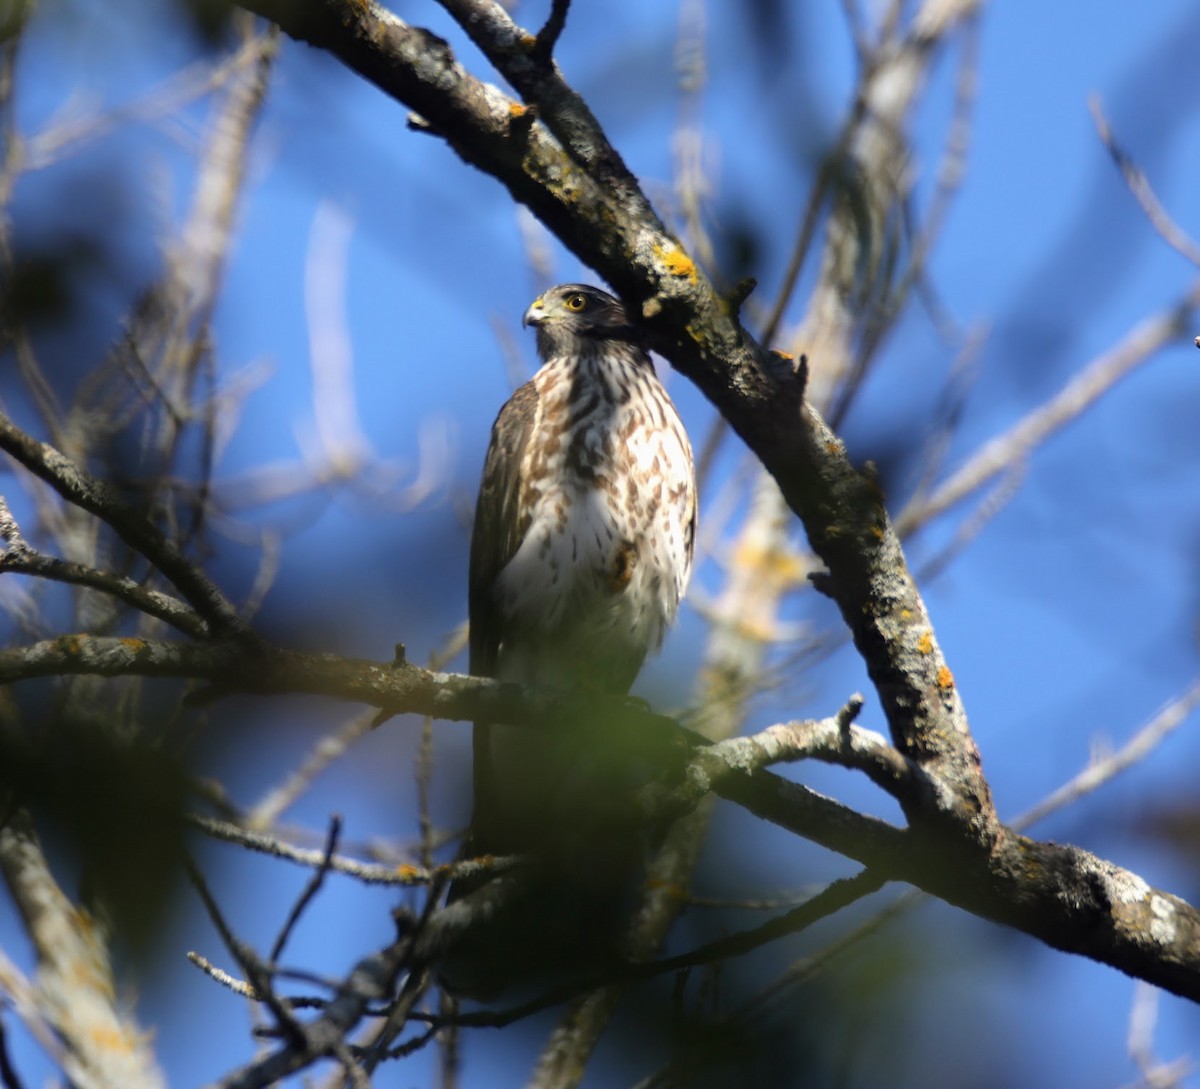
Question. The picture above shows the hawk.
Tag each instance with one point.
(582, 543)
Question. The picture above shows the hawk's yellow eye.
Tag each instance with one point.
(575, 302)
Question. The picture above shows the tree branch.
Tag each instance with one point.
(99, 498)
(1063, 895)
(20, 558)
(75, 993)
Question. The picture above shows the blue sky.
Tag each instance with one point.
(1070, 620)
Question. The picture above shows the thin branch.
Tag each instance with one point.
(1168, 719)
(369, 873)
(20, 558)
(372, 981)
(416, 984)
(1139, 186)
(832, 740)
(329, 748)
(257, 973)
(310, 889)
(69, 134)
(976, 521)
(762, 903)
(547, 37)
(1102, 771)
(243, 989)
(411, 1047)
(8, 1073)
(1143, 1015)
(1096, 379)
(86, 492)
(833, 898)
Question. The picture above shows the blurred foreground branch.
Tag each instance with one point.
(1063, 895)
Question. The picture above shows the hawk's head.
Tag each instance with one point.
(570, 316)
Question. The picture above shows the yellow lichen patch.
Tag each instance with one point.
(906, 614)
(756, 630)
(528, 41)
(833, 446)
(72, 644)
(112, 1039)
(925, 643)
(407, 872)
(877, 532)
(130, 643)
(87, 971)
(789, 357)
(678, 263)
(945, 678)
(783, 567)
(518, 109)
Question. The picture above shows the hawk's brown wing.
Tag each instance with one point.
(500, 526)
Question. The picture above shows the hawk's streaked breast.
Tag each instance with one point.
(606, 485)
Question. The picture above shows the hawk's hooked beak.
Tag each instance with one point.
(536, 313)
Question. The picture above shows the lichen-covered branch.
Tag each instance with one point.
(74, 993)
(1060, 894)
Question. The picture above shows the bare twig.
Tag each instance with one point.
(310, 889)
(1143, 1016)
(8, 1073)
(547, 37)
(1139, 186)
(832, 898)
(371, 982)
(66, 135)
(329, 748)
(258, 974)
(243, 989)
(829, 900)
(975, 522)
(370, 873)
(340, 441)
(416, 983)
(1164, 722)
(833, 740)
(1096, 379)
(411, 1047)
(19, 558)
(84, 491)
(691, 177)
